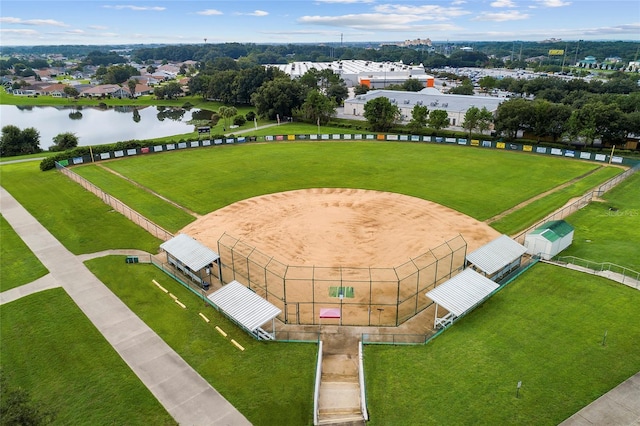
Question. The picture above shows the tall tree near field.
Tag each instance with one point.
(64, 141)
(381, 114)
(16, 142)
(279, 97)
(471, 118)
(131, 84)
(438, 119)
(318, 108)
(419, 118)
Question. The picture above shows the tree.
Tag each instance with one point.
(438, 119)
(465, 88)
(17, 142)
(513, 116)
(361, 89)
(70, 91)
(381, 114)
(64, 141)
(17, 407)
(471, 118)
(419, 118)
(318, 108)
(279, 97)
(170, 90)
(226, 113)
(412, 85)
(131, 84)
(485, 118)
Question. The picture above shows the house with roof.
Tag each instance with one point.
(549, 239)
(104, 90)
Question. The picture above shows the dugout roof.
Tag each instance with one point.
(244, 306)
(189, 252)
(497, 254)
(462, 292)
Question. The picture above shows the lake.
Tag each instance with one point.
(95, 126)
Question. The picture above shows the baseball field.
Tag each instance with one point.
(515, 336)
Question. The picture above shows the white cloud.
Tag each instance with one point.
(254, 13)
(345, 1)
(553, 3)
(512, 15)
(376, 22)
(209, 12)
(19, 32)
(427, 11)
(458, 2)
(97, 27)
(503, 3)
(37, 22)
(136, 8)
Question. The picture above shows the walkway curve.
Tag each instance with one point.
(188, 398)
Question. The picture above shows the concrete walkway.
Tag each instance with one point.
(177, 386)
(618, 407)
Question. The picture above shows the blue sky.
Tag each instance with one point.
(27, 22)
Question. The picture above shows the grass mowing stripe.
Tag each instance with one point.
(51, 349)
(545, 329)
(538, 209)
(150, 206)
(77, 218)
(609, 231)
(18, 265)
(270, 383)
(480, 183)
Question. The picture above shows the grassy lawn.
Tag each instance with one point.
(18, 265)
(150, 206)
(546, 329)
(538, 209)
(270, 383)
(27, 157)
(604, 235)
(480, 183)
(69, 368)
(77, 218)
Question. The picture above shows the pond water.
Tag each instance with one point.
(95, 126)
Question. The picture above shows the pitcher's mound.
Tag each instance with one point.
(340, 227)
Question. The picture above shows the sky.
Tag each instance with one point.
(96, 22)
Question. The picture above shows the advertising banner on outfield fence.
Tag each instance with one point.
(500, 145)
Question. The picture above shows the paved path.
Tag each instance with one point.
(178, 387)
(618, 407)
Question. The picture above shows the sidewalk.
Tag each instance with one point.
(178, 387)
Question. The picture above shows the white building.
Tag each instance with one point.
(549, 239)
(456, 106)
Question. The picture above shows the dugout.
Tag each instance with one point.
(497, 258)
(549, 239)
(193, 259)
(459, 295)
(245, 308)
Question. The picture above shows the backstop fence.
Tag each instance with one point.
(117, 205)
(357, 296)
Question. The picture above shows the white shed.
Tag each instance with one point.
(549, 239)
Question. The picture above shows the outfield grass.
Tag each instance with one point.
(150, 206)
(270, 383)
(77, 218)
(18, 265)
(604, 235)
(546, 329)
(51, 349)
(535, 211)
(478, 182)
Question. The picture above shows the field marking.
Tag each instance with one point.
(160, 287)
(203, 317)
(173, 296)
(182, 305)
(238, 345)
(221, 331)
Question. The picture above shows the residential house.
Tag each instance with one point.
(105, 90)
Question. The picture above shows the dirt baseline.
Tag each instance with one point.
(340, 227)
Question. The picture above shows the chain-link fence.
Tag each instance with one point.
(362, 296)
(117, 205)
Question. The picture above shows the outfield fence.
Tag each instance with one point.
(117, 205)
(316, 295)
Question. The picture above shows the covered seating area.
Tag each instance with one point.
(247, 309)
(192, 259)
(497, 258)
(459, 295)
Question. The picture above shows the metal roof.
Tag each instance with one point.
(462, 292)
(190, 252)
(553, 230)
(495, 255)
(243, 305)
